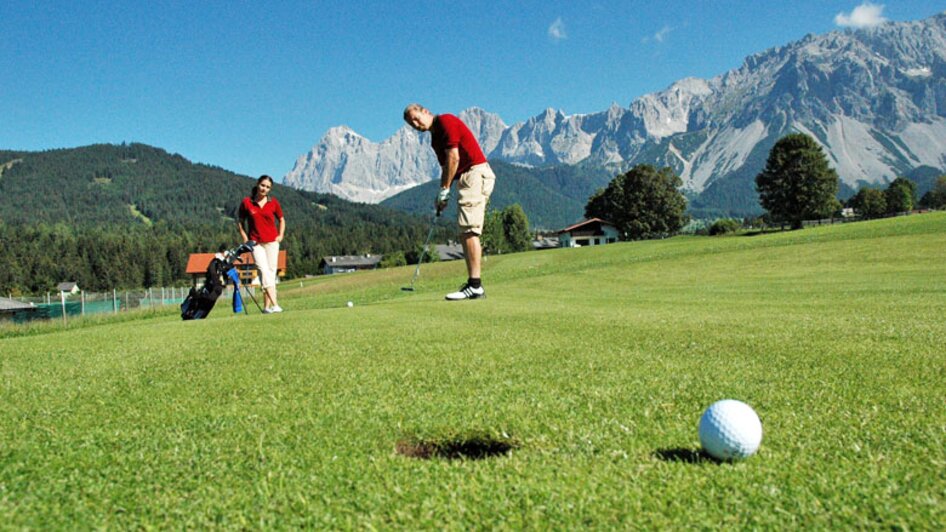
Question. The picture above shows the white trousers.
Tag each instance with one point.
(267, 260)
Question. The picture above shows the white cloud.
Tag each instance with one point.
(863, 16)
(557, 30)
(660, 36)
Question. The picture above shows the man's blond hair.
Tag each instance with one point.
(411, 108)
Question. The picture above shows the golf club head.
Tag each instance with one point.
(424, 251)
(246, 247)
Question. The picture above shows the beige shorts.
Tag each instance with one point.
(473, 190)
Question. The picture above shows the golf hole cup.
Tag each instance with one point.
(730, 430)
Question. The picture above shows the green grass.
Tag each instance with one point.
(594, 363)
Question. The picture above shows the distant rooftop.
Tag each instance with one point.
(584, 223)
(451, 251)
(12, 305)
(352, 261)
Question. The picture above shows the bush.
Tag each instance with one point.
(869, 203)
(724, 226)
(900, 195)
(935, 198)
(414, 255)
(391, 260)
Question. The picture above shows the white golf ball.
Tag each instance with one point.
(350, 304)
(730, 430)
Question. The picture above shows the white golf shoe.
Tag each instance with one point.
(466, 292)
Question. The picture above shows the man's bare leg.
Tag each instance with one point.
(472, 252)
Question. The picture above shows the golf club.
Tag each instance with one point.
(250, 293)
(433, 225)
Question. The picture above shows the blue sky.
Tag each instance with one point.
(250, 86)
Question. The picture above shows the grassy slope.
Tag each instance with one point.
(599, 361)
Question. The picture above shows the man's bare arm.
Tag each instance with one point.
(449, 169)
(447, 172)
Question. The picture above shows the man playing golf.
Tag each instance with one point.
(461, 160)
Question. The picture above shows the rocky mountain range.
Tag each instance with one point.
(874, 98)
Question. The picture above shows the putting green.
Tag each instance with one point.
(593, 365)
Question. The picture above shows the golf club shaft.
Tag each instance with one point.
(247, 288)
(430, 233)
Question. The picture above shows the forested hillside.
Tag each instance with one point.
(112, 216)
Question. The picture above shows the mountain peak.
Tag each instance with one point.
(874, 99)
(475, 110)
(342, 134)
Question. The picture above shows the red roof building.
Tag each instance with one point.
(197, 265)
(593, 232)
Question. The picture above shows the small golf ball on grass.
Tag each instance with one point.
(350, 304)
(730, 430)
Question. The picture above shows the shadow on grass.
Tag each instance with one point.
(757, 232)
(476, 447)
(687, 456)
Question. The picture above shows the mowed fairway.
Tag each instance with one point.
(596, 363)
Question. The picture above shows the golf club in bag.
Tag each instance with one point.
(200, 301)
(433, 225)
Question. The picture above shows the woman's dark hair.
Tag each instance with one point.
(262, 178)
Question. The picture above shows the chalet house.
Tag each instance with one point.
(197, 267)
(593, 232)
(349, 263)
(68, 288)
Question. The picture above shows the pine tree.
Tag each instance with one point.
(493, 238)
(516, 228)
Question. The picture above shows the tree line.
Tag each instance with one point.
(35, 258)
(796, 184)
(899, 196)
(128, 216)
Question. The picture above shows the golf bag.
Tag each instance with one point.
(200, 301)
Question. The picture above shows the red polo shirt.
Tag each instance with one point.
(448, 132)
(262, 220)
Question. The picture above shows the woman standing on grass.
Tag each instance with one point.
(262, 215)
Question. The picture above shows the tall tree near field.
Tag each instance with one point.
(901, 195)
(869, 203)
(935, 198)
(600, 204)
(493, 237)
(643, 203)
(516, 228)
(797, 183)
